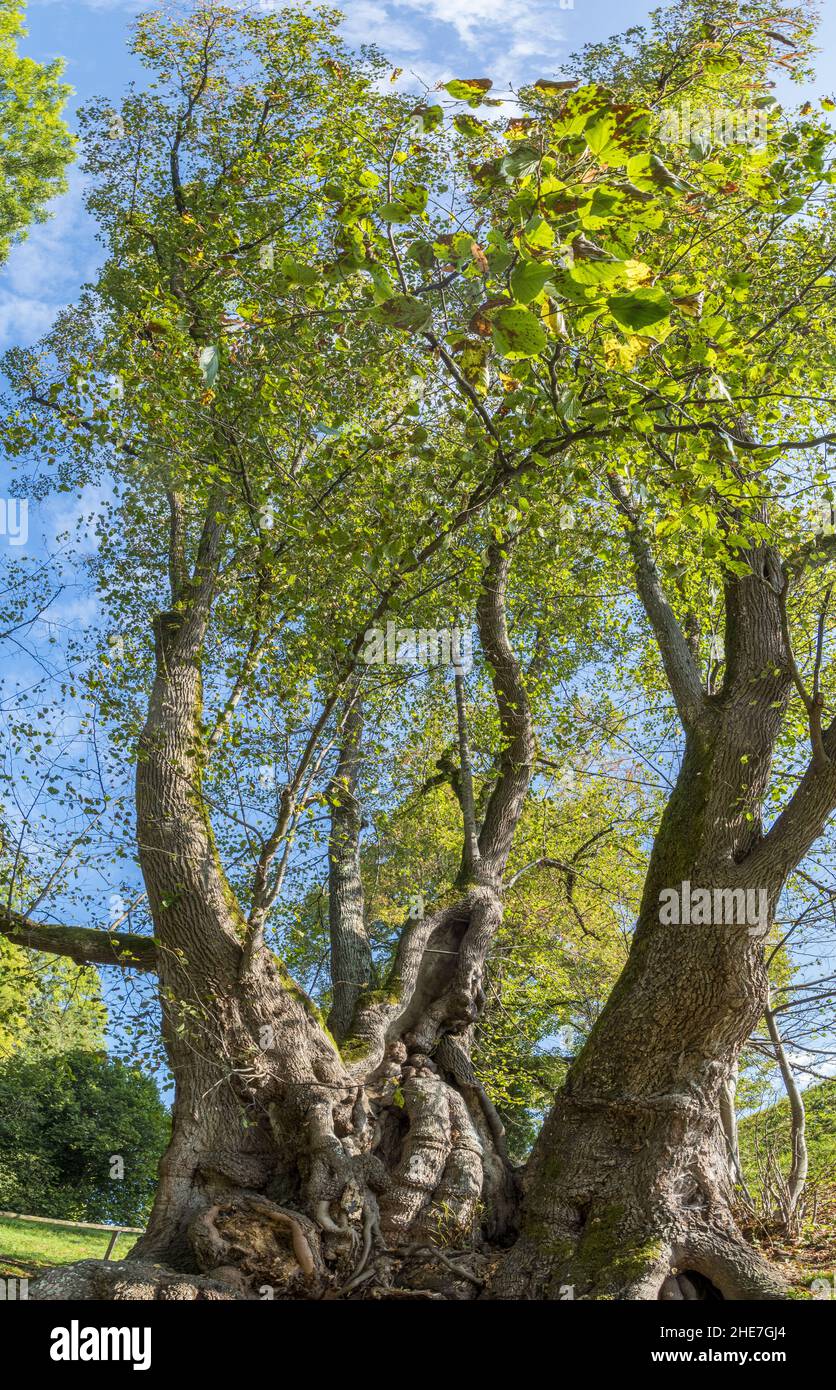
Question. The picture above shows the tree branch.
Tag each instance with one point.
(800, 823)
(677, 658)
(351, 957)
(84, 945)
(470, 856)
(813, 704)
(517, 759)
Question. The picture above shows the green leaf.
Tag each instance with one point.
(383, 286)
(469, 126)
(522, 160)
(403, 311)
(640, 309)
(598, 134)
(591, 273)
(538, 233)
(517, 333)
(528, 279)
(410, 199)
(297, 273)
(469, 89)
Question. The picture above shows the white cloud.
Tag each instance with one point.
(499, 35)
(368, 22)
(434, 37)
(43, 272)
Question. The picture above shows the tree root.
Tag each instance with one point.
(118, 1280)
(256, 1246)
(736, 1270)
(438, 1182)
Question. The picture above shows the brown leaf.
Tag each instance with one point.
(480, 260)
(691, 304)
(481, 325)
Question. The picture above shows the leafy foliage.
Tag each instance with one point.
(35, 146)
(64, 1120)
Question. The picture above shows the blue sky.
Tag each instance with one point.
(510, 40)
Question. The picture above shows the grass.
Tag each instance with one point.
(812, 1255)
(772, 1128)
(27, 1247)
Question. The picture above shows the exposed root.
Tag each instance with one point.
(458, 1269)
(122, 1280)
(254, 1245)
(731, 1265)
(438, 1182)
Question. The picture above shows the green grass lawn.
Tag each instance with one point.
(26, 1247)
(772, 1127)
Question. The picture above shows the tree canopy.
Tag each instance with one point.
(35, 145)
(463, 571)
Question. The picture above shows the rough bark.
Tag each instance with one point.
(84, 945)
(351, 958)
(351, 1163)
(629, 1181)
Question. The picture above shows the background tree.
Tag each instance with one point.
(35, 145)
(80, 1137)
(458, 337)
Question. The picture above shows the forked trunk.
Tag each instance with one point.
(630, 1182)
(296, 1165)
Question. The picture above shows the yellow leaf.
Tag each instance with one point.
(624, 353)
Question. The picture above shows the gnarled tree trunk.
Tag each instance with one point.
(629, 1183)
(297, 1163)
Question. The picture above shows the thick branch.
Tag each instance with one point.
(350, 950)
(799, 825)
(84, 945)
(470, 856)
(814, 703)
(677, 658)
(508, 796)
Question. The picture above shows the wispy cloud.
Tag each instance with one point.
(43, 273)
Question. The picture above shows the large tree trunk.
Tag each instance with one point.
(294, 1164)
(629, 1181)
(630, 1177)
(301, 1167)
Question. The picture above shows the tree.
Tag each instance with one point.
(80, 1137)
(35, 145)
(611, 325)
(47, 1005)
